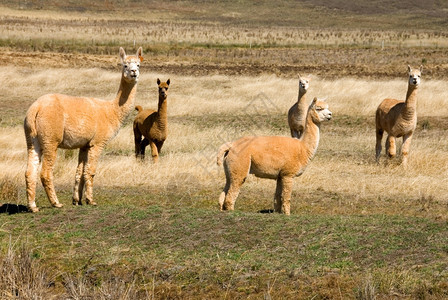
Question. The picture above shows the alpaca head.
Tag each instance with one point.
(319, 111)
(163, 88)
(414, 76)
(304, 83)
(131, 65)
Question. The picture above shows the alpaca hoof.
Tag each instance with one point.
(58, 205)
(76, 202)
(33, 209)
(91, 202)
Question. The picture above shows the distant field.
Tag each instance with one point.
(357, 230)
(183, 41)
(349, 14)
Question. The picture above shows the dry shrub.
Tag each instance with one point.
(367, 289)
(399, 284)
(22, 277)
(9, 191)
(82, 287)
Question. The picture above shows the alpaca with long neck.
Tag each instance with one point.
(398, 118)
(274, 157)
(297, 112)
(59, 121)
(152, 125)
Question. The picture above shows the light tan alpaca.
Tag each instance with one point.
(60, 121)
(273, 157)
(152, 125)
(399, 119)
(297, 112)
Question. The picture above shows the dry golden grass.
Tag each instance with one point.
(204, 112)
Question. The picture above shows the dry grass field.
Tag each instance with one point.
(357, 230)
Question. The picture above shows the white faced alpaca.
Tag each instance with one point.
(297, 112)
(61, 121)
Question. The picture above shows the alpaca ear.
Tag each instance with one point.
(421, 68)
(158, 81)
(168, 82)
(122, 54)
(298, 74)
(313, 103)
(139, 54)
(409, 69)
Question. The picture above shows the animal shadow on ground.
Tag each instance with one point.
(13, 208)
(266, 211)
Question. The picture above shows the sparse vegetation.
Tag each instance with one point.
(356, 230)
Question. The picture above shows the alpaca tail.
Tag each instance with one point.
(138, 108)
(222, 152)
(30, 121)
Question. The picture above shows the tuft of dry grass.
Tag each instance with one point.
(22, 277)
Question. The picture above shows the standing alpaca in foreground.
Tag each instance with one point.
(297, 112)
(152, 125)
(274, 157)
(398, 118)
(60, 121)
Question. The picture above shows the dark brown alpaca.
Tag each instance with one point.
(152, 125)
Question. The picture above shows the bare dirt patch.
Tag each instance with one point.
(327, 63)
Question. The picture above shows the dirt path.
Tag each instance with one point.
(283, 62)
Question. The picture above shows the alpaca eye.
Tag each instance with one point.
(125, 66)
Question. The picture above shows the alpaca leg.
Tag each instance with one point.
(232, 188)
(143, 144)
(236, 173)
(278, 196)
(294, 134)
(34, 156)
(231, 195)
(286, 194)
(223, 195)
(79, 178)
(46, 175)
(137, 141)
(224, 192)
(390, 146)
(154, 152)
(159, 145)
(89, 172)
(405, 148)
(300, 130)
(379, 137)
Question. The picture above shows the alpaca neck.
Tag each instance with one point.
(124, 101)
(301, 101)
(162, 113)
(411, 102)
(310, 138)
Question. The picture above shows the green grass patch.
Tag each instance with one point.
(236, 252)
